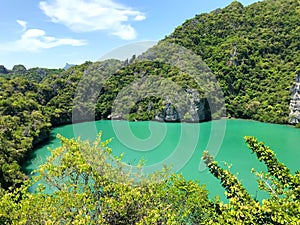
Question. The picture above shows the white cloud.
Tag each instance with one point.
(33, 40)
(126, 32)
(23, 24)
(93, 15)
(33, 33)
(139, 17)
(36, 39)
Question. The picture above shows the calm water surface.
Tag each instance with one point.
(181, 145)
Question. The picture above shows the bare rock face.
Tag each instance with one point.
(19, 69)
(295, 102)
(3, 70)
(195, 110)
(67, 66)
(169, 114)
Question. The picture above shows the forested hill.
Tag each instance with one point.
(254, 53)
(33, 74)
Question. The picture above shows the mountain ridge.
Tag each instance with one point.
(252, 51)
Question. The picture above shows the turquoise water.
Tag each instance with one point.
(180, 145)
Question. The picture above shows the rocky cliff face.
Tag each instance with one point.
(295, 102)
(196, 110)
(19, 69)
(3, 70)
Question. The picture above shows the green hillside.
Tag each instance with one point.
(251, 52)
(254, 53)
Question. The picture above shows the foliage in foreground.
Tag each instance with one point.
(253, 51)
(90, 186)
(283, 205)
(99, 193)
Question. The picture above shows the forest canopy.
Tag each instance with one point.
(252, 51)
(103, 192)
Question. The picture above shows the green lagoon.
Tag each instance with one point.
(180, 145)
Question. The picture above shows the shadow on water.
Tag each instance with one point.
(35, 155)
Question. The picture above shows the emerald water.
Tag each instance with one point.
(180, 145)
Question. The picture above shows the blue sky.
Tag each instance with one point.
(50, 33)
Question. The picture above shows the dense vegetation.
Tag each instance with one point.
(33, 74)
(31, 103)
(254, 53)
(89, 186)
(23, 123)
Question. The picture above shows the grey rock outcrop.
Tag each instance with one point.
(195, 110)
(19, 69)
(169, 114)
(67, 66)
(3, 70)
(294, 116)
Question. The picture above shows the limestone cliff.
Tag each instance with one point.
(295, 102)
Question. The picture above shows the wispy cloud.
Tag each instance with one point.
(23, 24)
(33, 40)
(93, 15)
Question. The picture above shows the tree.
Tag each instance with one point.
(81, 191)
(283, 206)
